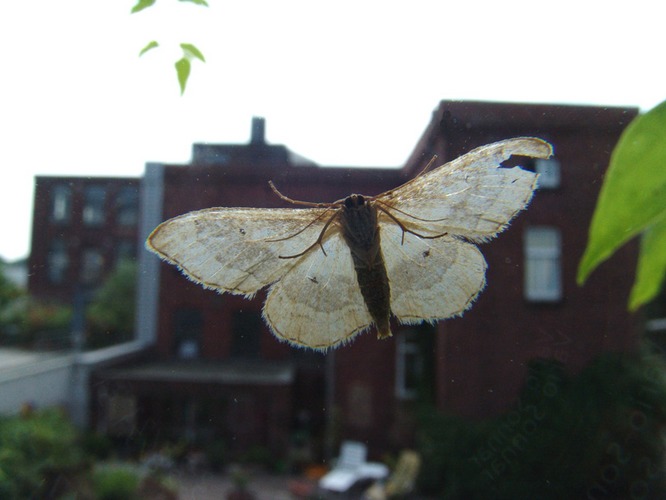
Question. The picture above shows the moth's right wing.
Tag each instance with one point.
(469, 196)
(238, 250)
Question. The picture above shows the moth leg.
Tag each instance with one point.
(319, 241)
(405, 230)
(303, 229)
(387, 206)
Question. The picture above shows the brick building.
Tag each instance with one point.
(213, 371)
(82, 226)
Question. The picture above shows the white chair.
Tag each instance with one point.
(351, 467)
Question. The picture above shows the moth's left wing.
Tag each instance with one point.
(318, 303)
(237, 250)
(469, 196)
(430, 279)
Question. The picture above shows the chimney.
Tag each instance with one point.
(258, 132)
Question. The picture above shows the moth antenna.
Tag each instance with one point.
(427, 167)
(292, 201)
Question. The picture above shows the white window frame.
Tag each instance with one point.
(549, 173)
(542, 273)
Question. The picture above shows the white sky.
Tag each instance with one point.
(342, 83)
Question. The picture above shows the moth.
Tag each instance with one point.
(336, 269)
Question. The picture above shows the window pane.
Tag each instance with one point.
(127, 205)
(549, 173)
(93, 208)
(409, 364)
(246, 335)
(61, 204)
(187, 329)
(92, 266)
(542, 278)
(57, 262)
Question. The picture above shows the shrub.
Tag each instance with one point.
(115, 483)
(596, 435)
(38, 454)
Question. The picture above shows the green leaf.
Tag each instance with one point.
(151, 45)
(183, 71)
(633, 195)
(191, 51)
(142, 4)
(651, 269)
(198, 2)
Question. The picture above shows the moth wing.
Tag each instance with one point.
(469, 196)
(430, 279)
(237, 250)
(318, 303)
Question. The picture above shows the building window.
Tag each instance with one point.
(127, 206)
(409, 364)
(61, 204)
(57, 262)
(93, 206)
(543, 267)
(92, 266)
(125, 250)
(549, 173)
(187, 331)
(246, 340)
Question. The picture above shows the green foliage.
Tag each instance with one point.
(12, 309)
(9, 292)
(183, 65)
(110, 315)
(596, 435)
(151, 45)
(632, 201)
(96, 445)
(115, 483)
(142, 4)
(190, 51)
(38, 452)
(216, 454)
(35, 323)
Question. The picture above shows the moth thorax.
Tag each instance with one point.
(354, 201)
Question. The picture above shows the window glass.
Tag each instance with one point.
(93, 207)
(127, 206)
(57, 262)
(549, 173)
(187, 331)
(543, 273)
(247, 329)
(409, 364)
(92, 266)
(61, 204)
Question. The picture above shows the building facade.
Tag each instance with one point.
(82, 226)
(212, 370)
(532, 306)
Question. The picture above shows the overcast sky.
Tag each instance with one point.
(342, 83)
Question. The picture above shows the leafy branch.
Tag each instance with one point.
(190, 51)
(632, 202)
